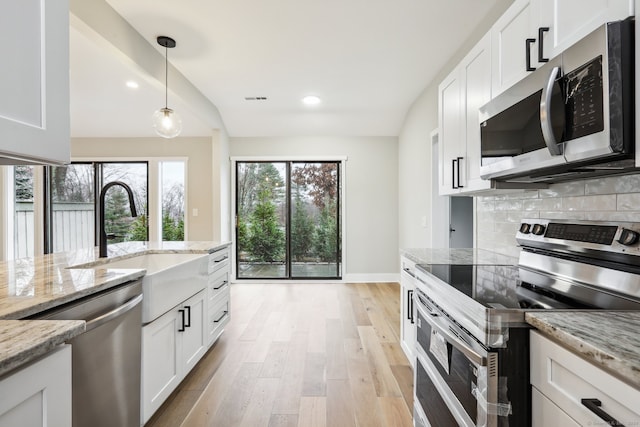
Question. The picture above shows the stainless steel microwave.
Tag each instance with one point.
(571, 118)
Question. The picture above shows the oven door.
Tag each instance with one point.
(458, 369)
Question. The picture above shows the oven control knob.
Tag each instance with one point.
(628, 237)
(525, 228)
(538, 229)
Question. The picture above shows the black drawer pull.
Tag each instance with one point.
(224, 313)
(222, 285)
(222, 258)
(188, 324)
(594, 406)
(528, 51)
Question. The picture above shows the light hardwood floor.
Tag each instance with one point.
(301, 355)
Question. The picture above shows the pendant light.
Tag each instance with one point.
(166, 122)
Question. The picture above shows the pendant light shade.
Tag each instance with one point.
(166, 122)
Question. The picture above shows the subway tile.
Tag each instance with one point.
(613, 185)
(629, 202)
(629, 216)
(508, 205)
(542, 204)
(561, 215)
(589, 203)
(564, 189)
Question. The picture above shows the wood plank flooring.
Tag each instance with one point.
(301, 355)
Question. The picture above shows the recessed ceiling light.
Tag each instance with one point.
(132, 85)
(311, 100)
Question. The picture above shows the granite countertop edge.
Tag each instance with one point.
(620, 358)
(43, 337)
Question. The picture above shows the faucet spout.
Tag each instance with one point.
(132, 205)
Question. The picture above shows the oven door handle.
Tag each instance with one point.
(433, 319)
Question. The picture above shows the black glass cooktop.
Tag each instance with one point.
(501, 286)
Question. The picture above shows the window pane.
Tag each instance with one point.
(172, 200)
(262, 217)
(23, 226)
(118, 219)
(72, 205)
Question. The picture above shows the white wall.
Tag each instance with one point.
(371, 202)
(414, 147)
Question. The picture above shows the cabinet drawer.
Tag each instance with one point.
(408, 266)
(565, 378)
(218, 283)
(219, 316)
(218, 260)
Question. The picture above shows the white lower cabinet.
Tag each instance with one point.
(171, 346)
(407, 310)
(218, 294)
(570, 391)
(38, 394)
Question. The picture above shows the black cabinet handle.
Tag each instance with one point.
(224, 313)
(541, 32)
(453, 174)
(594, 406)
(222, 285)
(222, 258)
(181, 328)
(409, 292)
(411, 306)
(459, 161)
(528, 50)
(188, 324)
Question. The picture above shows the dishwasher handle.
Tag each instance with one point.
(104, 318)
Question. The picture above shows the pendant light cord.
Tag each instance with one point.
(166, 77)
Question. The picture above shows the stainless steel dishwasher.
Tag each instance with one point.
(106, 358)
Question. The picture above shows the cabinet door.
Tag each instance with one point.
(570, 20)
(450, 122)
(161, 372)
(508, 44)
(39, 394)
(34, 81)
(407, 311)
(194, 336)
(545, 413)
(476, 75)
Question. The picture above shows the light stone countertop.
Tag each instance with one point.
(608, 339)
(24, 340)
(30, 286)
(457, 256)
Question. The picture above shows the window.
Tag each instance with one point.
(172, 178)
(23, 213)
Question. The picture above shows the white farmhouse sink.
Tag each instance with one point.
(171, 278)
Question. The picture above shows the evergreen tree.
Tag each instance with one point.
(302, 230)
(266, 239)
(117, 216)
(138, 229)
(325, 237)
(23, 176)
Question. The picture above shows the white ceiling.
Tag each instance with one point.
(367, 59)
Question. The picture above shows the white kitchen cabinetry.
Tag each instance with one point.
(567, 384)
(509, 37)
(38, 394)
(407, 309)
(531, 32)
(218, 294)
(568, 21)
(171, 346)
(34, 82)
(461, 94)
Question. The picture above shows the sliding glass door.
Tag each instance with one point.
(288, 220)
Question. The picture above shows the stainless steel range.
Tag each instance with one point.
(473, 343)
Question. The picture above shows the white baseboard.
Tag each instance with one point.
(372, 278)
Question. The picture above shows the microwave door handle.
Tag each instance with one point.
(545, 114)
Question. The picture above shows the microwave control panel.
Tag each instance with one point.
(584, 100)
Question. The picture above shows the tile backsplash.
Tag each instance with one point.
(602, 199)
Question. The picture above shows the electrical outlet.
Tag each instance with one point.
(195, 211)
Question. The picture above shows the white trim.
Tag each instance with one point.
(343, 189)
(288, 158)
(372, 278)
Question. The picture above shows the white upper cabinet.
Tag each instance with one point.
(513, 46)
(531, 32)
(568, 21)
(34, 82)
(461, 94)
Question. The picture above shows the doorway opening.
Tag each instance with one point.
(288, 221)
